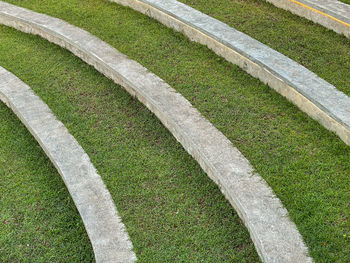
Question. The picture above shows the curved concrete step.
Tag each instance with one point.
(107, 233)
(275, 236)
(313, 95)
(331, 14)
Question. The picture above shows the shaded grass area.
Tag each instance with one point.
(321, 50)
(307, 166)
(172, 211)
(345, 1)
(38, 219)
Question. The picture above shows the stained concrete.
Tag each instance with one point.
(274, 235)
(313, 95)
(336, 15)
(107, 233)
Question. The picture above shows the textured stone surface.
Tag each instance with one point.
(338, 10)
(275, 236)
(313, 95)
(107, 233)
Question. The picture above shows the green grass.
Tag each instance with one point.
(345, 1)
(38, 219)
(172, 211)
(321, 50)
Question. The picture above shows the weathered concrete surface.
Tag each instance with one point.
(107, 233)
(313, 95)
(273, 233)
(331, 14)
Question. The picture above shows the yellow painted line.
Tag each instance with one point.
(318, 11)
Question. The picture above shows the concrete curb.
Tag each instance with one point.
(313, 95)
(107, 233)
(331, 14)
(275, 236)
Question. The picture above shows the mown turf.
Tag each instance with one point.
(321, 50)
(38, 219)
(172, 211)
(307, 166)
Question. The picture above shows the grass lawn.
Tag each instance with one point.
(319, 49)
(171, 209)
(36, 212)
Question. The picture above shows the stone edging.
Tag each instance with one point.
(313, 95)
(331, 14)
(275, 236)
(107, 233)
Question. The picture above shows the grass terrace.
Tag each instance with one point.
(38, 219)
(172, 211)
(317, 48)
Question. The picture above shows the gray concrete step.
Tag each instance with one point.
(313, 95)
(107, 233)
(331, 14)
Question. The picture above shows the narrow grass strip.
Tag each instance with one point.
(274, 235)
(107, 233)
